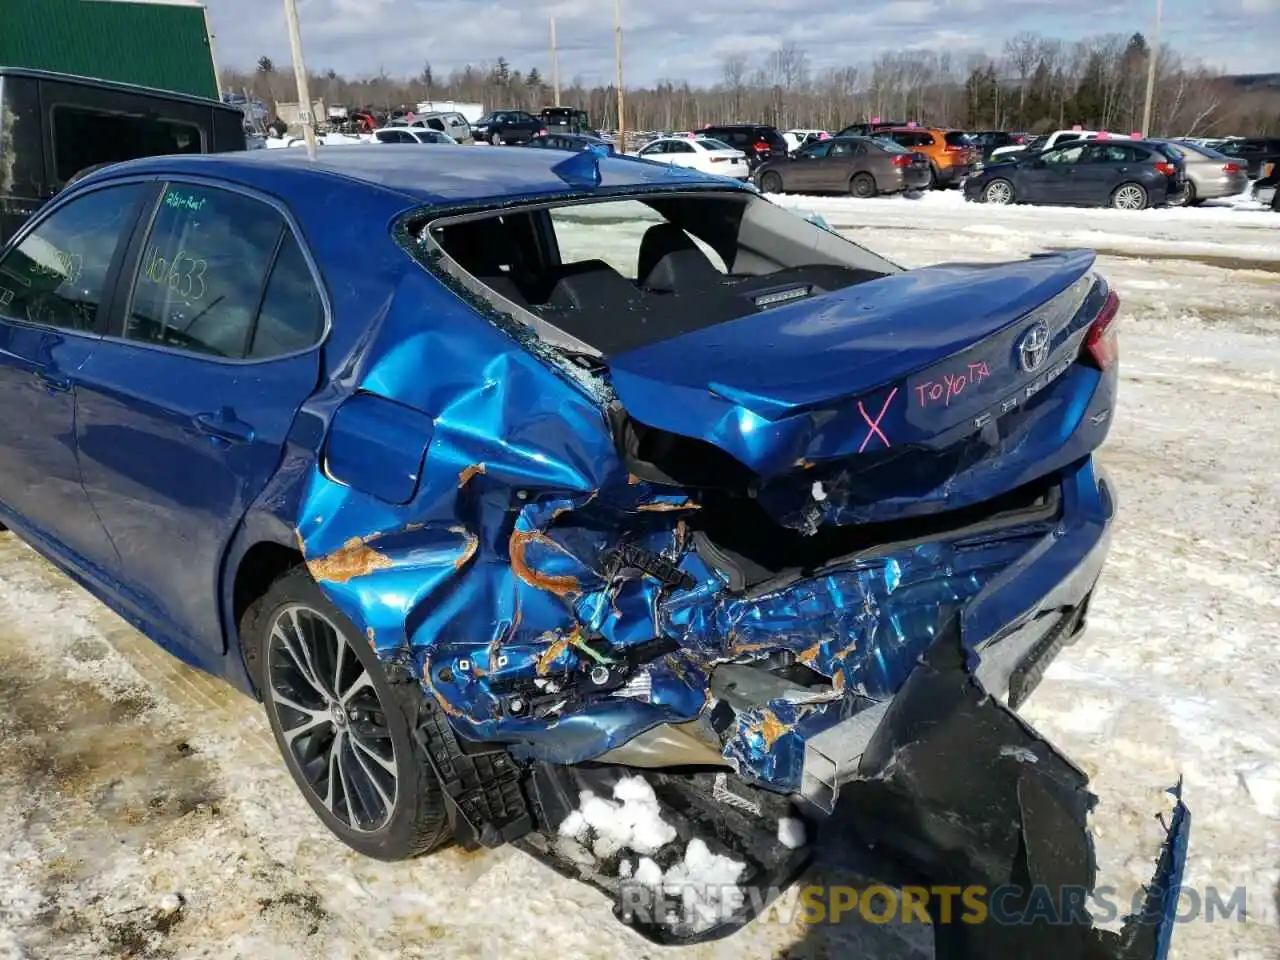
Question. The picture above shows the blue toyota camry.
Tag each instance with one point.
(507, 481)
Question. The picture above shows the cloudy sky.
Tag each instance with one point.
(688, 39)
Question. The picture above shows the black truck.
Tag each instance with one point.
(57, 126)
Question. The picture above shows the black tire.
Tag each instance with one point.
(863, 186)
(933, 176)
(771, 182)
(1192, 199)
(415, 821)
(495, 139)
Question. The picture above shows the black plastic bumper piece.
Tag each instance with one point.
(958, 789)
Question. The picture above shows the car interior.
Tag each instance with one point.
(773, 257)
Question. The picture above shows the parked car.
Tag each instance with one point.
(452, 123)
(698, 153)
(55, 126)
(1210, 174)
(1252, 152)
(508, 126)
(1054, 140)
(479, 546)
(870, 129)
(758, 142)
(799, 138)
(861, 166)
(570, 141)
(411, 135)
(1127, 175)
(567, 120)
(951, 155)
(989, 141)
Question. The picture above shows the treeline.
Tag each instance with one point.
(1036, 84)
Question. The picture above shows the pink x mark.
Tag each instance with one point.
(875, 430)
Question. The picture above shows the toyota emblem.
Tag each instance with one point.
(1033, 348)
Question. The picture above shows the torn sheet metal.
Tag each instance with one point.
(549, 599)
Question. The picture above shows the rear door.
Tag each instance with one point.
(183, 411)
(54, 283)
(1103, 166)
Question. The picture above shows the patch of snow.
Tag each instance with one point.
(632, 820)
(705, 882)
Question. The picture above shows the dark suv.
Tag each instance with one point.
(57, 126)
(758, 141)
(508, 126)
(1252, 152)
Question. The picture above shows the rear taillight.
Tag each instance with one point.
(902, 160)
(1231, 168)
(760, 147)
(1019, 139)
(1103, 341)
(719, 159)
(542, 133)
(1168, 169)
(950, 148)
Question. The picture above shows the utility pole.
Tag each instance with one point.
(300, 74)
(617, 55)
(555, 64)
(1152, 56)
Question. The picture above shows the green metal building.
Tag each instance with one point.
(162, 45)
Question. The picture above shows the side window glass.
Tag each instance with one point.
(201, 275)
(57, 275)
(292, 316)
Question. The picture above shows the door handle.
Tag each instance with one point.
(224, 426)
(52, 382)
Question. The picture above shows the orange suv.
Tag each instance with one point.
(951, 153)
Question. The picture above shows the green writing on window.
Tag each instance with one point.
(182, 274)
(183, 201)
(62, 266)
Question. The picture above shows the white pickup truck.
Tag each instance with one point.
(1057, 139)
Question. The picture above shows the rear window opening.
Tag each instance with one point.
(611, 275)
(84, 137)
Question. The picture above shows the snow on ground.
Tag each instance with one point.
(149, 816)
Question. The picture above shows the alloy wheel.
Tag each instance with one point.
(998, 192)
(1130, 197)
(332, 721)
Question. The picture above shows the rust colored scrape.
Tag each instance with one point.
(355, 558)
(771, 728)
(548, 657)
(370, 634)
(469, 550)
(633, 479)
(520, 540)
(664, 506)
(468, 473)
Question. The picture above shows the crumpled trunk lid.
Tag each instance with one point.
(918, 358)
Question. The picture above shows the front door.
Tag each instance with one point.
(1051, 177)
(183, 414)
(52, 283)
(805, 171)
